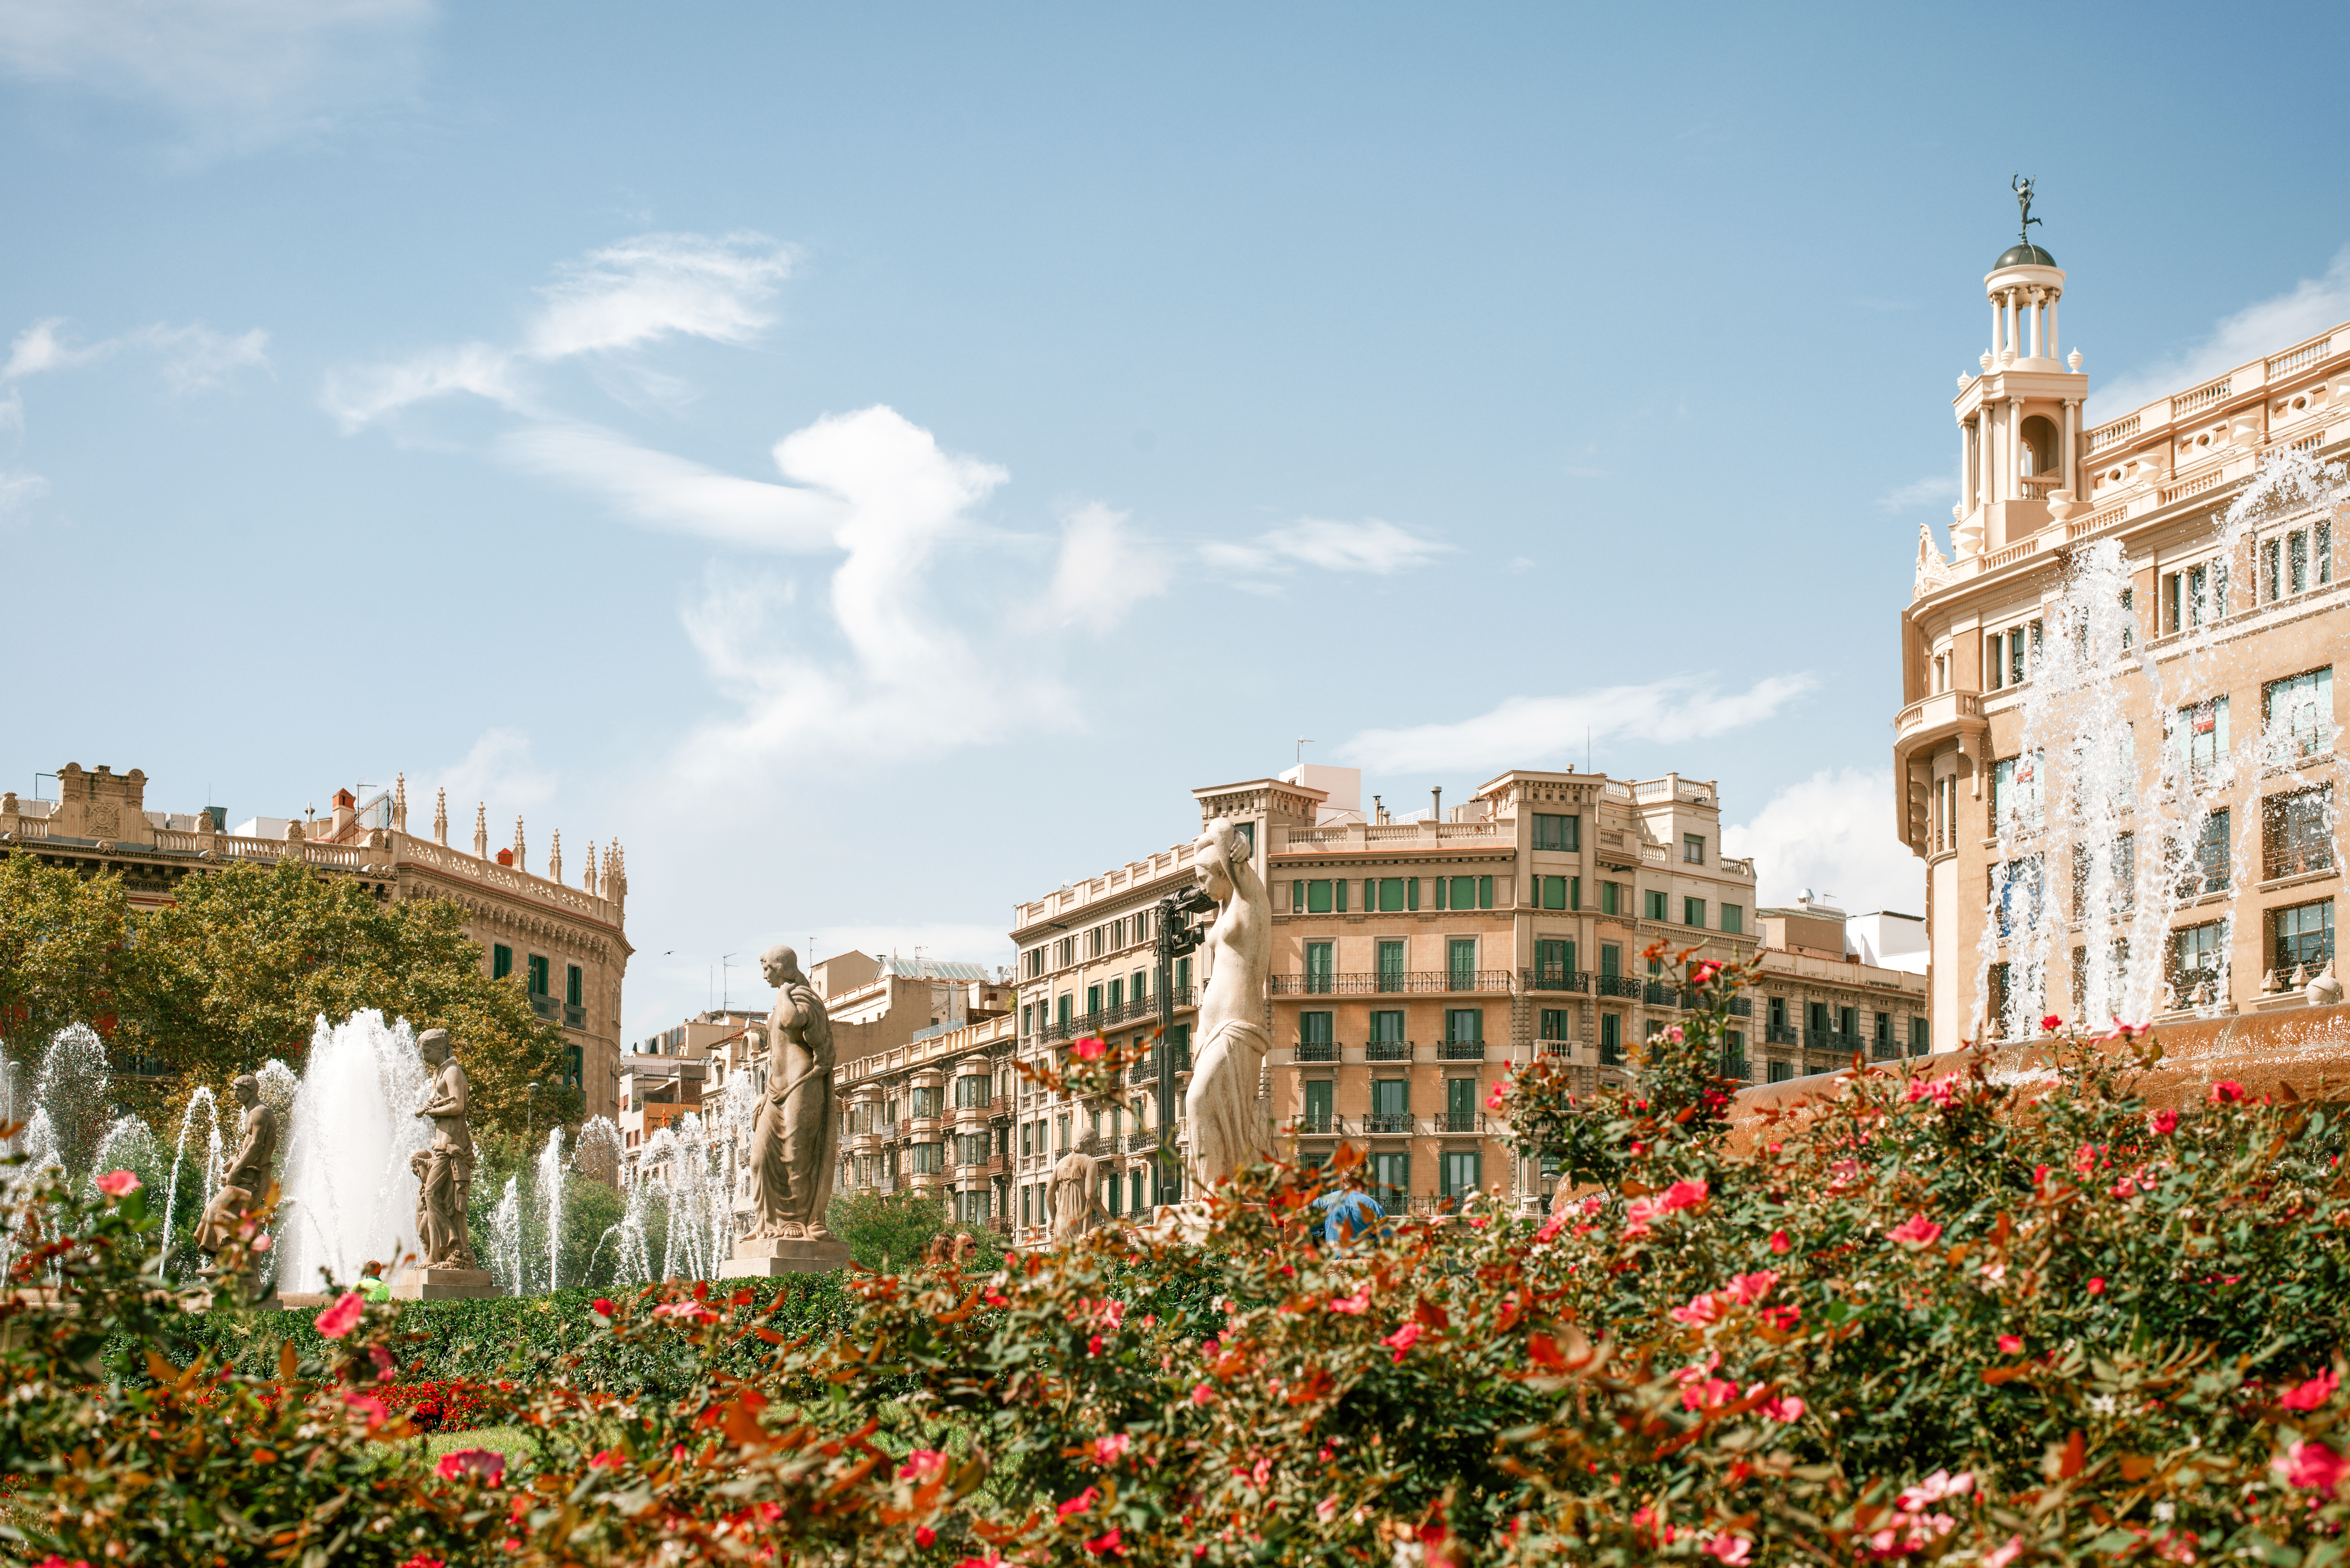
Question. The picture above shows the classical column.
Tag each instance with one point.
(2039, 318)
(1965, 473)
(2072, 448)
(2054, 295)
(1994, 328)
(2010, 301)
(1983, 454)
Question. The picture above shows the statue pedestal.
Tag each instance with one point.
(760, 1257)
(444, 1284)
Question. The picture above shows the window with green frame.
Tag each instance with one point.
(1460, 963)
(1319, 897)
(1391, 1180)
(1733, 1054)
(1116, 995)
(1391, 971)
(574, 984)
(1093, 1000)
(1553, 959)
(1387, 1026)
(538, 974)
(1780, 1072)
(1317, 1102)
(1557, 832)
(1391, 1097)
(1462, 1172)
(1317, 967)
(1656, 904)
(1611, 957)
(574, 1066)
(1461, 1105)
(1464, 892)
(1733, 918)
(1390, 894)
(1693, 912)
(1315, 1028)
(1557, 1023)
(1611, 1039)
(1559, 892)
(1464, 1026)
(501, 960)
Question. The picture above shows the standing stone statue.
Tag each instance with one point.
(449, 1268)
(1071, 1196)
(1227, 1129)
(796, 1141)
(247, 1178)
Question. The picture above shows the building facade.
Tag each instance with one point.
(1819, 1000)
(2096, 841)
(566, 945)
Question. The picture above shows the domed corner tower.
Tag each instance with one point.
(2020, 415)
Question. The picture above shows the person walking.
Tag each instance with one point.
(372, 1284)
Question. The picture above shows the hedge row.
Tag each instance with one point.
(482, 1338)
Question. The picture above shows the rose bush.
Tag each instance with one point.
(1964, 1320)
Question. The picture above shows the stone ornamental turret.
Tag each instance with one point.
(588, 879)
(518, 861)
(481, 830)
(441, 815)
(555, 857)
(400, 803)
(2019, 415)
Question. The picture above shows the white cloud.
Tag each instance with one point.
(633, 295)
(2260, 328)
(1526, 731)
(912, 681)
(497, 772)
(1105, 570)
(192, 357)
(234, 74)
(19, 490)
(1370, 546)
(1918, 492)
(673, 491)
(1833, 833)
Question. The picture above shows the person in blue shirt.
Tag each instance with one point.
(1349, 1213)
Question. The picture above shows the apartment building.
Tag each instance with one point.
(934, 1116)
(1820, 1000)
(2203, 870)
(876, 1005)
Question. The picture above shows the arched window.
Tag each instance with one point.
(2040, 454)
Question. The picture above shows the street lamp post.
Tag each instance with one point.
(1176, 937)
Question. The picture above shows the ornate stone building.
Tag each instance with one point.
(564, 945)
(2095, 843)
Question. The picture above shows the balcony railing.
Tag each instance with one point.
(2299, 858)
(1557, 980)
(545, 1006)
(1142, 1008)
(1146, 1070)
(1834, 1040)
(1461, 1050)
(1619, 985)
(1142, 1142)
(1656, 993)
(1387, 1051)
(1388, 1122)
(1324, 1126)
(1741, 1007)
(1456, 1121)
(1780, 1034)
(1317, 1050)
(1395, 981)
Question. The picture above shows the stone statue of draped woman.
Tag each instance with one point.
(795, 1140)
(1228, 1131)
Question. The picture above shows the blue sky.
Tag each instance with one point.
(876, 461)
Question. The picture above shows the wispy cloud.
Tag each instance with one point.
(1833, 833)
(1530, 731)
(1918, 492)
(1371, 546)
(1105, 570)
(673, 491)
(18, 490)
(2260, 328)
(192, 358)
(498, 774)
(231, 75)
(628, 296)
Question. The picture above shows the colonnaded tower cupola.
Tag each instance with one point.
(2019, 418)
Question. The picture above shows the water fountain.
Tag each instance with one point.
(353, 1127)
(688, 1181)
(2138, 848)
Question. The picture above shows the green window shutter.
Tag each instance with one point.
(1574, 892)
(1341, 890)
(1484, 892)
(1464, 892)
(1412, 892)
(1440, 890)
(1297, 895)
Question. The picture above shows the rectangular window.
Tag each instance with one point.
(1027, 1138)
(2015, 791)
(2122, 871)
(1136, 988)
(1484, 892)
(1464, 1026)
(2170, 622)
(1318, 1104)
(1116, 1000)
(974, 1089)
(1387, 1027)
(1611, 1039)
(1460, 955)
(1182, 978)
(1780, 1072)
(1693, 911)
(1550, 892)
(1611, 959)
(1067, 1005)
(501, 961)
(1921, 1038)
(1028, 1019)
(1464, 893)
(2305, 936)
(1391, 1097)
(1656, 904)
(538, 967)
(575, 985)
(1733, 918)
(1557, 1024)
(1884, 1027)
(1553, 961)
(1391, 1180)
(1061, 1132)
(1412, 892)
(1134, 1185)
(1460, 1105)
(924, 1158)
(1462, 1171)
(2203, 736)
(1034, 962)
(2195, 954)
(1733, 1054)
(1390, 894)
(2129, 619)
(1994, 658)
(2295, 837)
(1693, 848)
(1313, 1028)
(2208, 872)
(1608, 897)
(2298, 714)
(1557, 832)
(1093, 1000)
(1848, 1023)
(1574, 892)
(1317, 968)
(1390, 966)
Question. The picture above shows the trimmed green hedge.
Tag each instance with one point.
(500, 1336)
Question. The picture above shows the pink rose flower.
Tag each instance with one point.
(2164, 1123)
(2311, 1394)
(1354, 1303)
(1108, 1450)
(2227, 1092)
(1402, 1340)
(1781, 1243)
(342, 1317)
(922, 1465)
(486, 1465)
(2009, 1344)
(1733, 1549)
(1916, 1232)
(2312, 1467)
(1088, 1050)
(117, 1183)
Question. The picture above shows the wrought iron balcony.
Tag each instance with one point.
(1387, 1051)
(1456, 1121)
(1781, 1034)
(1323, 1126)
(1557, 980)
(1388, 1122)
(1317, 1050)
(1619, 985)
(1391, 981)
(1461, 1050)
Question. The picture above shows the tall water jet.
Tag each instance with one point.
(355, 1128)
(72, 1088)
(203, 1097)
(550, 1204)
(506, 1250)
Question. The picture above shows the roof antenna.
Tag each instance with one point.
(1303, 741)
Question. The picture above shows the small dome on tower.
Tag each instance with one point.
(2023, 256)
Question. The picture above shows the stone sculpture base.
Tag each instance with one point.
(444, 1284)
(767, 1257)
